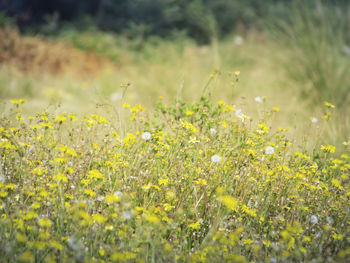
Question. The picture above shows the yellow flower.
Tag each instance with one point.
(189, 113)
(329, 105)
(337, 236)
(195, 226)
(163, 181)
(126, 105)
(168, 207)
(61, 178)
(328, 148)
(60, 118)
(89, 192)
(201, 182)
(98, 218)
(152, 218)
(230, 202)
(96, 174)
(112, 198)
(45, 222)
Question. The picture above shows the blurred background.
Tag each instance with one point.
(77, 54)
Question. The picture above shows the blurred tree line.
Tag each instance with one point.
(200, 19)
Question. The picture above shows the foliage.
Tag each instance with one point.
(189, 182)
(201, 19)
(318, 37)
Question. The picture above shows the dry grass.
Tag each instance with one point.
(33, 55)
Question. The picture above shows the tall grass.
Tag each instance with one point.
(317, 34)
(186, 182)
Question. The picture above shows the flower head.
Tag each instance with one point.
(212, 131)
(146, 136)
(215, 158)
(313, 219)
(258, 99)
(269, 150)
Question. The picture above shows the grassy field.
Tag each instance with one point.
(165, 151)
(111, 70)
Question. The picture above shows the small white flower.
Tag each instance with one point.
(212, 131)
(269, 150)
(215, 158)
(193, 140)
(116, 96)
(258, 99)
(239, 40)
(239, 113)
(146, 136)
(313, 219)
(127, 214)
(314, 120)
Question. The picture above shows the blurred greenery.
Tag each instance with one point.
(200, 19)
(295, 53)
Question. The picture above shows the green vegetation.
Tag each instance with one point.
(220, 134)
(191, 182)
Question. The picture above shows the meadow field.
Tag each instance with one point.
(119, 149)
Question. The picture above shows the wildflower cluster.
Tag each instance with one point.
(186, 183)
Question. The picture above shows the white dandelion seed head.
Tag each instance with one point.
(115, 96)
(212, 131)
(314, 120)
(127, 214)
(215, 158)
(269, 150)
(239, 40)
(330, 220)
(146, 136)
(313, 219)
(239, 113)
(258, 99)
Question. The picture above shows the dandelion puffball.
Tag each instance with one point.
(258, 99)
(215, 158)
(313, 219)
(269, 150)
(314, 120)
(212, 131)
(146, 136)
